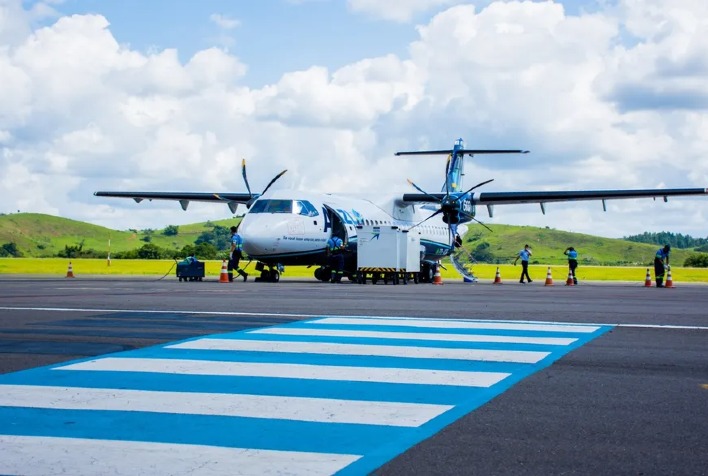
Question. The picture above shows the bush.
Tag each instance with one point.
(10, 249)
(696, 261)
(171, 230)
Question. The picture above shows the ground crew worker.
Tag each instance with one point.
(335, 255)
(235, 255)
(572, 261)
(661, 259)
(524, 254)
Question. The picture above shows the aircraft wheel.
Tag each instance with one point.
(318, 274)
(274, 276)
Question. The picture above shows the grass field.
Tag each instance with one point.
(91, 267)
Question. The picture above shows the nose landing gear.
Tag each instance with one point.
(270, 275)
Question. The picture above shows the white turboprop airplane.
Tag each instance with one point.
(291, 227)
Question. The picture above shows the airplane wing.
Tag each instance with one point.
(231, 199)
(507, 198)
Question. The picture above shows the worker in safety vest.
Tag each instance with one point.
(661, 260)
(335, 256)
(572, 261)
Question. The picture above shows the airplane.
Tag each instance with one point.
(291, 227)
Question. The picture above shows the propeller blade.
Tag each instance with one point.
(478, 185)
(483, 224)
(431, 216)
(422, 191)
(273, 181)
(243, 172)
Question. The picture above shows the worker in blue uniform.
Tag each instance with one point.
(235, 255)
(525, 255)
(335, 256)
(661, 260)
(572, 261)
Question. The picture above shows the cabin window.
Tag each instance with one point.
(305, 208)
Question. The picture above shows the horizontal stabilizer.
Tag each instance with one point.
(465, 151)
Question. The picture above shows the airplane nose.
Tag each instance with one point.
(258, 238)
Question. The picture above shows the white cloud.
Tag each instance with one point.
(605, 100)
(396, 10)
(224, 22)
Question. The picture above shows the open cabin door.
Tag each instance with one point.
(336, 224)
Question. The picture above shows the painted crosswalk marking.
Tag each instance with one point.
(368, 350)
(415, 336)
(276, 370)
(322, 396)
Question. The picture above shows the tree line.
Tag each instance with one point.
(676, 240)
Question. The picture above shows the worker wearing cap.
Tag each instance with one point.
(572, 261)
(661, 260)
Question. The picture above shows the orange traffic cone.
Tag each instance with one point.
(549, 278)
(437, 279)
(669, 280)
(497, 278)
(70, 271)
(224, 276)
(647, 280)
(569, 281)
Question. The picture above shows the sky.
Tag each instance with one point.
(171, 95)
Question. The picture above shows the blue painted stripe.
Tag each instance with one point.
(234, 432)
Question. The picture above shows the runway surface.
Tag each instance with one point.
(313, 378)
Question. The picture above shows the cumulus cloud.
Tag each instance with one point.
(396, 10)
(609, 99)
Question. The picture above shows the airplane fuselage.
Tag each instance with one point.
(291, 227)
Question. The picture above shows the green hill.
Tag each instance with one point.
(502, 245)
(37, 235)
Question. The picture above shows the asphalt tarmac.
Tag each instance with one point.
(633, 401)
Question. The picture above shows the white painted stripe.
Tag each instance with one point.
(298, 331)
(40, 456)
(359, 319)
(517, 356)
(459, 324)
(322, 410)
(295, 371)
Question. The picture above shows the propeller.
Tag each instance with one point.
(449, 206)
(248, 187)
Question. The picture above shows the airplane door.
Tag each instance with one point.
(337, 225)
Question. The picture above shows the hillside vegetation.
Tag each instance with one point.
(40, 236)
(503, 244)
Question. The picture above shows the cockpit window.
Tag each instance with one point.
(297, 207)
(272, 206)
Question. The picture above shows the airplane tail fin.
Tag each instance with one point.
(455, 161)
